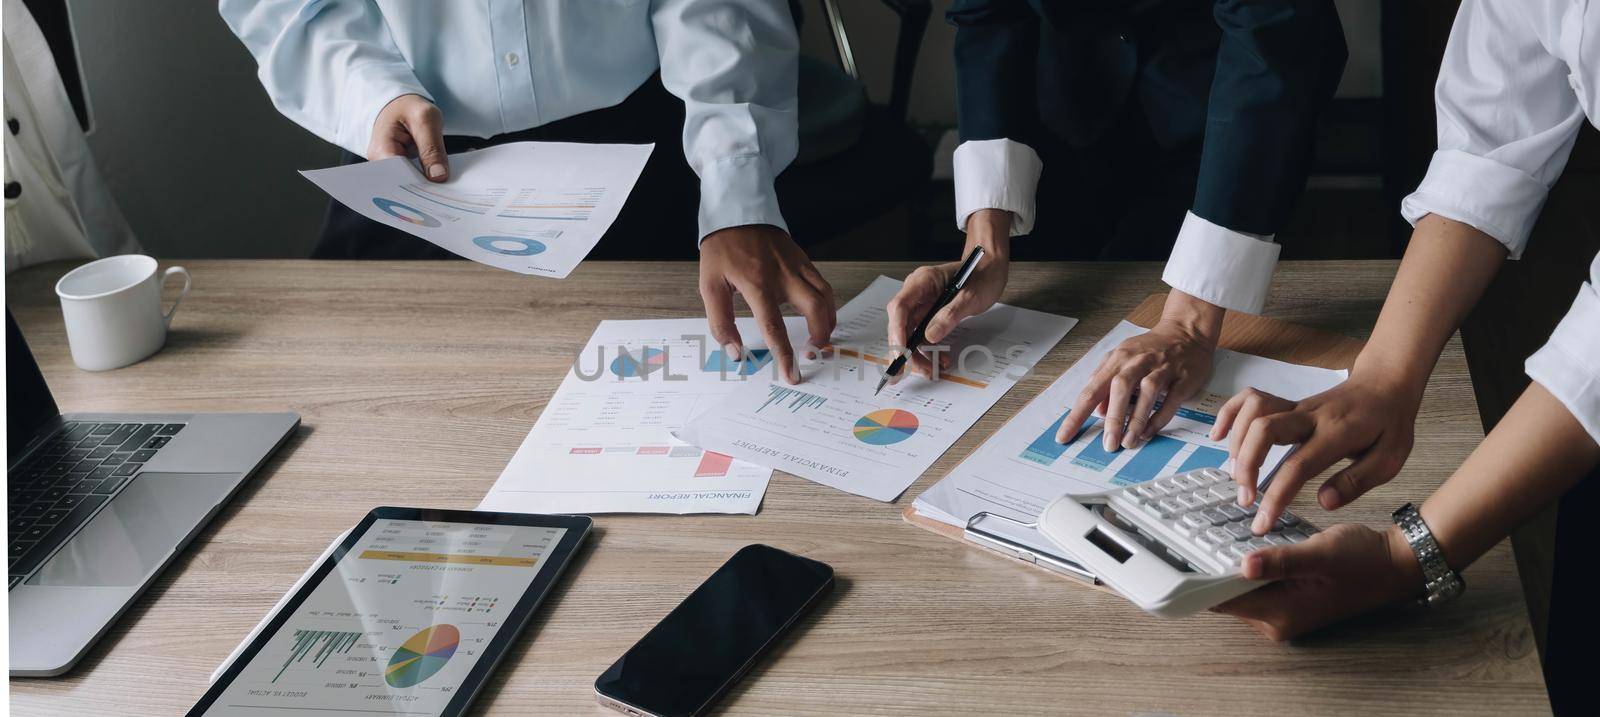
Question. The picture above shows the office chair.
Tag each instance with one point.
(857, 160)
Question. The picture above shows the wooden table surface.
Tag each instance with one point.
(417, 381)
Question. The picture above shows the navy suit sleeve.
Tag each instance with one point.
(1277, 66)
(996, 51)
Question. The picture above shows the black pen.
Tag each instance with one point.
(918, 336)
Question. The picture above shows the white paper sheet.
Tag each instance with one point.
(1021, 468)
(604, 443)
(832, 429)
(530, 207)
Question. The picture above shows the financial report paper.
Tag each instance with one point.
(534, 208)
(604, 442)
(1021, 468)
(832, 429)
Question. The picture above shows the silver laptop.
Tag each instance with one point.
(99, 503)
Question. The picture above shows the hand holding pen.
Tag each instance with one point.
(936, 298)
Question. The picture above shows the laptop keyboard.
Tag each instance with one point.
(72, 475)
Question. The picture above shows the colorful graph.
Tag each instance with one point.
(422, 656)
(754, 360)
(405, 212)
(327, 643)
(798, 400)
(1144, 463)
(886, 427)
(648, 361)
(509, 246)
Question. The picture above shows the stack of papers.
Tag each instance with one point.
(1021, 468)
(604, 443)
(832, 429)
(529, 207)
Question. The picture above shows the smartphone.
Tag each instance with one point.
(712, 638)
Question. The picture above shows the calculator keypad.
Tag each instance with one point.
(1199, 509)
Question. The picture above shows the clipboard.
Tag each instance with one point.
(1245, 333)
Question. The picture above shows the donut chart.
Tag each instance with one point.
(518, 246)
(630, 365)
(405, 212)
(886, 427)
(422, 656)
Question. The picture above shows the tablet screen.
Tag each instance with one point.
(397, 624)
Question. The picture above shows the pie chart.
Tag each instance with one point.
(886, 427)
(422, 656)
(631, 364)
(405, 212)
(509, 246)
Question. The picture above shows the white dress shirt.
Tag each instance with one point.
(1225, 267)
(497, 66)
(1519, 78)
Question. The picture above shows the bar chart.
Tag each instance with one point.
(1165, 454)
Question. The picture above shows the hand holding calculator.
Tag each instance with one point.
(1172, 545)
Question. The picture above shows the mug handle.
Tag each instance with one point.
(167, 317)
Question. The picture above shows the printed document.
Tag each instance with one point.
(1021, 468)
(529, 207)
(832, 429)
(604, 443)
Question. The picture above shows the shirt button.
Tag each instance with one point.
(512, 59)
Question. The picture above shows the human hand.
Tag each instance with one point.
(1170, 362)
(989, 228)
(411, 126)
(1343, 571)
(1371, 422)
(762, 263)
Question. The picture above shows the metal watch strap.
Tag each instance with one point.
(1440, 583)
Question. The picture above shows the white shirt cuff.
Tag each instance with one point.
(738, 191)
(1498, 200)
(997, 174)
(1226, 268)
(1569, 364)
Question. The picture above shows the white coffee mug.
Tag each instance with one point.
(113, 311)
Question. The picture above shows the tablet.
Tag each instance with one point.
(408, 615)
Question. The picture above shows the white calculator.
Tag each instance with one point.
(1171, 545)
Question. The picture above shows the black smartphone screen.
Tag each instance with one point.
(700, 648)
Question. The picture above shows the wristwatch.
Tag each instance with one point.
(1440, 583)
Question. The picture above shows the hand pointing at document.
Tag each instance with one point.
(764, 265)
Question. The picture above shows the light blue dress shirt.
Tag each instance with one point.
(497, 66)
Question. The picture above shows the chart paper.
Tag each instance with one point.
(534, 208)
(1020, 469)
(605, 444)
(832, 429)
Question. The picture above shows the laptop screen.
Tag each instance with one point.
(29, 405)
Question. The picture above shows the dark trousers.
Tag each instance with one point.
(1120, 198)
(659, 221)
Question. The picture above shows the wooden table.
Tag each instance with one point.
(417, 382)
